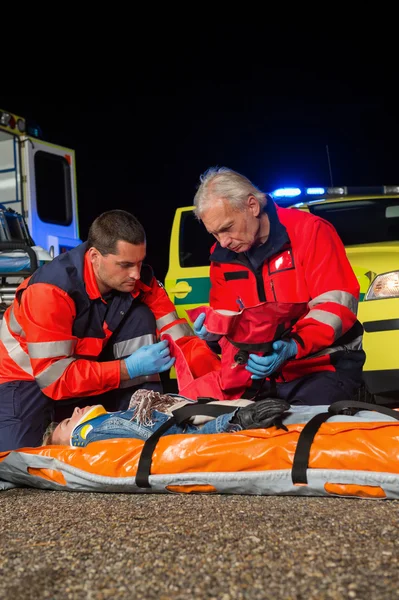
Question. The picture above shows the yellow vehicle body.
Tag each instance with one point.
(374, 260)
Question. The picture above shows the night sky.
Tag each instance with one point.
(142, 139)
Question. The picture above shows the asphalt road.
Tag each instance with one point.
(95, 546)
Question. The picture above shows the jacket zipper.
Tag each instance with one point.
(272, 288)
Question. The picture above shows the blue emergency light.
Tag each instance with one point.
(286, 193)
(315, 191)
(33, 130)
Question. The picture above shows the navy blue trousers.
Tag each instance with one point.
(25, 411)
(324, 387)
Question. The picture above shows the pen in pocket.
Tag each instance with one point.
(240, 303)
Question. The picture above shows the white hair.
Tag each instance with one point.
(221, 182)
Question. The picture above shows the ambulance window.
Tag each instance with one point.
(53, 188)
(194, 243)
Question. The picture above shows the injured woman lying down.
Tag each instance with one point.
(149, 410)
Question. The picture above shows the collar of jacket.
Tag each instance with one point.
(277, 240)
(91, 283)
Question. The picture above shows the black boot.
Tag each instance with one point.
(264, 413)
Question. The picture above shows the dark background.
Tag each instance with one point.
(143, 134)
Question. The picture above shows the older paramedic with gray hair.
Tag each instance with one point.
(264, 253)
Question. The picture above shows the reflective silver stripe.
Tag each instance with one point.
(51, 349)
(140, 380)
(15, 327)
(355, 344)
(53, 372)
(179, 330)
(169, 318)
(127, 347)
(342, 298)
(14, 349)
(323, 316)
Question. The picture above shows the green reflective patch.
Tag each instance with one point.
(199, 293)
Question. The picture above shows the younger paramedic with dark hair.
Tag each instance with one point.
(88, 324)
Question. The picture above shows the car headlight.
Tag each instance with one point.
(384, 286)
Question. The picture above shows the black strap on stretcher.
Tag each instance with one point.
(300, 463)
(180, 416)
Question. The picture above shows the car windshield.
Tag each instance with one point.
(362, 221)
(195, 242)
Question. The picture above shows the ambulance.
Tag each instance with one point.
(38, 202)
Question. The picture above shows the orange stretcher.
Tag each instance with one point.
(322, 452)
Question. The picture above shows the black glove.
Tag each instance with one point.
(261, 414)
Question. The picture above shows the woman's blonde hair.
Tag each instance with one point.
(48, 434)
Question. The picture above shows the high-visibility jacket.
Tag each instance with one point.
(59, 324)
(303, 260)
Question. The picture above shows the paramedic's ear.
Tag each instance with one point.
(254, 206)
(94, 254)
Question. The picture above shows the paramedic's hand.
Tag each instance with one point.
(149, 360)
(263, 366)
(201, 331)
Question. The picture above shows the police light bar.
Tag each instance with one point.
(316, 194)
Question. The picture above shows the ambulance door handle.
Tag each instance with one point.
(181, 290)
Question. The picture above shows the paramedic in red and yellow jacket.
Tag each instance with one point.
(87, 324)
(265, 253)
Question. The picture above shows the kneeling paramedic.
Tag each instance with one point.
(265, 253)
(87, 324)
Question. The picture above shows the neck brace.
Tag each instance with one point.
(82, 428)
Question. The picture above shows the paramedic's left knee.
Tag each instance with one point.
(25, 413)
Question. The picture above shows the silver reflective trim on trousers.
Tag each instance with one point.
(356, 344)
(127, 347)
(139, 380)
(14, 349)
(51, 349)
(53, 372)
(338, 297)
(169, 318)
(178, 331)
(328, 318)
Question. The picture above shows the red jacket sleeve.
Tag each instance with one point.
(46, 316)
(199, 356)
(333, 289)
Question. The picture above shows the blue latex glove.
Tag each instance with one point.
(201, 331)
(149, 360)
(263, 366)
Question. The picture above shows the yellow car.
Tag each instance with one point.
(367, 220)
